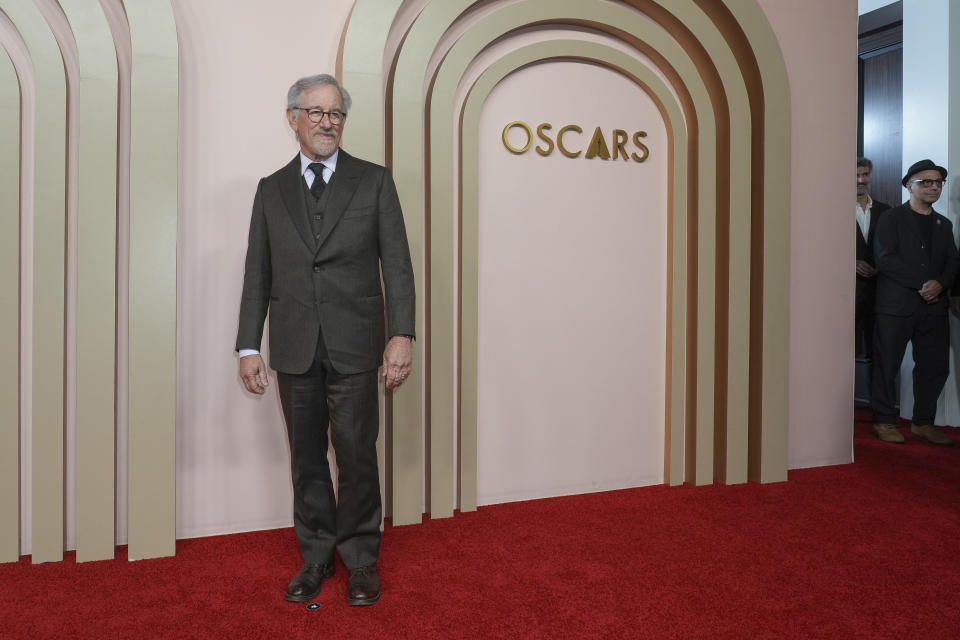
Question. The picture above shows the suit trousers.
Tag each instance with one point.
(349, 405)
(929, 333)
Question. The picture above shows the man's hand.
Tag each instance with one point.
(254, 374)
(865, 269)
(396, 361)
(930, 291)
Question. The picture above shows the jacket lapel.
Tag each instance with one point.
(291, 191)
(341, 188)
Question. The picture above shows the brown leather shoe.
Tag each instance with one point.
(364, 588)
(931, 434)
(305, 586)
(888, 432)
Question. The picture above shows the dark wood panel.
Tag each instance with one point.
(882, 122)
(881, 18)
(877, 43)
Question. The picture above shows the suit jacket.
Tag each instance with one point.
(333, 282)
(865, 249)
(903, 263)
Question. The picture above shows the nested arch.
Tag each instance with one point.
(468, 115)
(15, 79)
(641, 33)
(707, 51)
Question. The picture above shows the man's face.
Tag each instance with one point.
(317, 140)
(924, 194)
(863, 180)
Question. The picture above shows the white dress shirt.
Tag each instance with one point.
(863, 217)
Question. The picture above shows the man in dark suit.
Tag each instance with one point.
(868, 214)
(324, 230)
(916, 259)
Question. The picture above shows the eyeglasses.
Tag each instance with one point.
(315, 115)
(929, 183)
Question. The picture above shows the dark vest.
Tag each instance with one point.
(315, 208)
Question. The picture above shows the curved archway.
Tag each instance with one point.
(708, 51)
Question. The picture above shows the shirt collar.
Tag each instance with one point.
(330, 163)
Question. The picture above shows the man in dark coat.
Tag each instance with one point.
(916, 261)
(868, 213)
(325, 228)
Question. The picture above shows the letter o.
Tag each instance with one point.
(517, 123)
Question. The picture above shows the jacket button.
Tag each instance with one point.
(316, 267)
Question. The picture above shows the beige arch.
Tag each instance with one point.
(153, 279)
(770, 217)
(640, 73)
(49, 239)
(9, 294)
(443, 309)
(360, 69)
(731, 409)
(751, 10)
(92, 163)
(57, 23)
(411, 129)
(96, 273)
(116, 16)
(407, 147)
(675, 303)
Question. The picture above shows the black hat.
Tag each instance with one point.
(923, 165)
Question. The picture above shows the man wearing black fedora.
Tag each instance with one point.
(916, 261)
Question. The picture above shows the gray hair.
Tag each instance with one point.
(865, 162)
(301, 85)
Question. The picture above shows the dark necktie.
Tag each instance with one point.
(318, 184)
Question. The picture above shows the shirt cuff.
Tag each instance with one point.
(248, 352)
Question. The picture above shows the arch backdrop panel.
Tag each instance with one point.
(74, 132)
(731, 430)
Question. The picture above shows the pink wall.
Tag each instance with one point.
(819, 44)
(237, 61)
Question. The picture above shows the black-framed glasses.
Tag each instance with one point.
(315, 115)
(929, 183)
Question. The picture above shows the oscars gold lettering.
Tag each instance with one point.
(619, 140)
(596, 148)
(543, 136)
(506, 139)
(643, 148)
(563, 149)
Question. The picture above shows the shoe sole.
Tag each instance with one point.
(304, 598)
(890, 440)
(363, 602)
(310, 596)
(946, 443)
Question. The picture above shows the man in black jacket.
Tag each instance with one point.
(868, 213)
(916, 261)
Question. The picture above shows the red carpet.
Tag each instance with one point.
(867, 550)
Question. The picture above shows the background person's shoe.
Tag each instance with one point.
(931, 434)
(888, 432)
